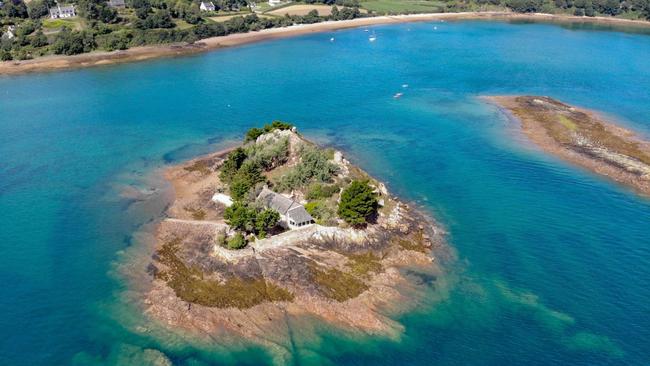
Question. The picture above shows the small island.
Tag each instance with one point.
(279, 232)
(582, 138)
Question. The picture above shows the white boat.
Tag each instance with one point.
(373, 37)
(332, 39)
(398, 95)
(405, 86)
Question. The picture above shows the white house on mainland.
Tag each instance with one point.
(209, 6)
(116, 3)
(276, 2)
(292, 214)
(65, 11)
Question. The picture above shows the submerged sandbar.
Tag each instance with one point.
(582, 137)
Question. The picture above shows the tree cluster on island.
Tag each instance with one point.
(354, 201)
(99, 26)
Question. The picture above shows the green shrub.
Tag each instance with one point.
(319, 191)
(5, 56)
(237, 242)
(232, 164)
(314, 166)
(265, 221)
(245, 218)
(69, 42)
(269, 154)
(248, 175)
(253, 134)
(321, 212)
(241, 217)
(278, 125)
(358, 202)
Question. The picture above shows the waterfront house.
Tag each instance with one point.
(209, 6)
(116, 3)
(292, 214)
(62, 11)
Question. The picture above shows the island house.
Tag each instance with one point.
(292, 214)
(65, 11)
(209, 6)
(276, 2)
(116, 3)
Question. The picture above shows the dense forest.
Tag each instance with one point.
(28, 31)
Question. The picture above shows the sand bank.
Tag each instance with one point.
(582, 137)
(60, 62)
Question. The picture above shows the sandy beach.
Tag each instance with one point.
(61, 62)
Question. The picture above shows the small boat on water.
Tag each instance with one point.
(373, 37)
(405, 86)
(366, 30)
(398, 95)
(332, 39)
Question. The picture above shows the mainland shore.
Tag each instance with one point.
(61, 62)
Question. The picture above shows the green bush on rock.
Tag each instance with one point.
(358, 202)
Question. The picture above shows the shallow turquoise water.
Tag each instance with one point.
(554, 262)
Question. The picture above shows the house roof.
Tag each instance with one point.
(298, 214)
(62, 9)
(116, 2)
(284, 205)
(276, 201)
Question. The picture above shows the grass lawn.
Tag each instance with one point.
(403, 6)
(302, 9)
(181, 24)
(55, 24)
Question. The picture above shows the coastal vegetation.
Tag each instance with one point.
(314, 167)
(191, 285)
(358, 203)
(250, 219)
(249, 167)
(336, 284)
(28, 32)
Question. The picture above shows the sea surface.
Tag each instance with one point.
(553, 262)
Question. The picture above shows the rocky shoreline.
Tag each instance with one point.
(583, 138)
(353, 279)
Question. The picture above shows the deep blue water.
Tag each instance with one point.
(554, 262)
